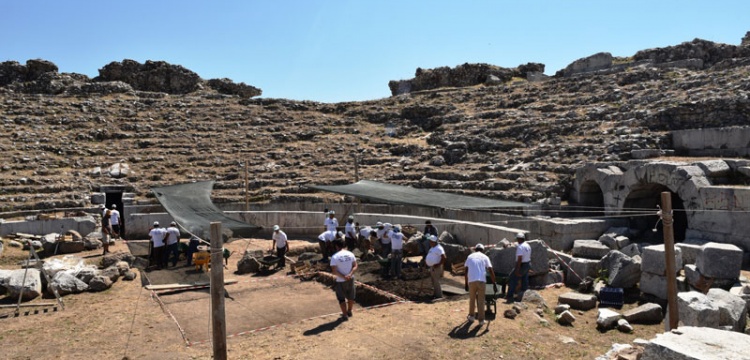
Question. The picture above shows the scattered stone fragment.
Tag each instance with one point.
(129, 275)
(100, 283)
(565, 318)
(510, 314)
(624, 326)
(561, 308)
(578, 301)
(607, 319)
(649, 313)
(534, 297)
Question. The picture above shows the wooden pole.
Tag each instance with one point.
(356, 168)
(666, 216)
(218, 319)
(247, 201)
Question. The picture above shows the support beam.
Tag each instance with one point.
(218, 319)
(667, 219)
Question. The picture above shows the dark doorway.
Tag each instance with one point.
(113, 196)
(645, 199)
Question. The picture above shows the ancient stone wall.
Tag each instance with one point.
(723, 142)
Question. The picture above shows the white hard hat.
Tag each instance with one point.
(479, 247)
(173, 223)
(520, 236)
(156, 223)
(114, 206)
(331, 212)
(276, 228)
(433, 238)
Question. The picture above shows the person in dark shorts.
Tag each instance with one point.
(343, 265)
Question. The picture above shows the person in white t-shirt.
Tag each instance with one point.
(172, 242)
(343, 265)
(397, 251)
(280, 244)
(365, 239)
(477, 265)
(115, 221)
(325, 241)
(385, 241)
(157, 235)
(435, 261)
(350, 231)
(331, 223)
(521, 270)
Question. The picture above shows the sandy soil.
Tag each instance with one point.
(126, 322)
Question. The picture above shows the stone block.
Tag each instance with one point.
(565, 318)
(578, 301)
(696, 280)
(579, 269)
(624, 326)
(720, 261)
(560, 308)
(622, 241)
(654, 261)
(690, 343)
(66, 283)
(589, 249)
(631, 250)
(653, 284)
(502, 259)
(621, 270)
(714, 168)
(607, 319)
(648, 313)
(689, 252)
(539, 257)
(732, 309)
(15, 284)
(609, 241)
(696, 309)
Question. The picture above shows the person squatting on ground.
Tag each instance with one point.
(350, 231)
(192, 249)
(114, 220)
(280, 244)
(475, 276)
(106, 230)
(435, 261)
(157, 235)
(172, 240)
(343, 265)
(521, 271)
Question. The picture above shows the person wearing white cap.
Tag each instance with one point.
(331, 223)
(435, 261)
(325, 241)
(281, 245)
(114, 219)
(350, 231)
(521, 271)
(397, 251)
(157, 235)
(172, 240)
(385, 241)
(475, 276)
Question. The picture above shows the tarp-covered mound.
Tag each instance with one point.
(407, 195)
(191, 207)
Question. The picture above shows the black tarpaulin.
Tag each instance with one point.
(407, 195)
(191, 207)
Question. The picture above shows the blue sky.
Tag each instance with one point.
(334, 51)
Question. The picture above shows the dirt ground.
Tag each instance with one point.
(127, 322)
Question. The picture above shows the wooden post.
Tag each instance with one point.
(356, 168)
(218, 319)
(247, 184)
(666, 216)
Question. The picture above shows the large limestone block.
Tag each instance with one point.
(578, 301)
(66, 283)
(648, 313)
(455, 254)
(589, 249)
(720, 261)
(732, 309)
(696, 309)
(15, 284)
(690, 343)
(622, 270)
(579, 269)
(539, 257)
(502, 259)
(654, 284)
(653, 260)
(714, 168)
(689, 252)
(631, 250)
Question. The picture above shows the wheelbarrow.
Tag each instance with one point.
(268, 261)
(490, 296)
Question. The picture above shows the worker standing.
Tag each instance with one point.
(397, 251)
(343, 265)
(157, 235)
(475, 276)
(435, 261)
(521, 271)
(280, 244)
(172, 240)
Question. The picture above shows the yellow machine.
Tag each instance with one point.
(202, 258)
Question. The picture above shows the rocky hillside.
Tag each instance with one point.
(517, 136)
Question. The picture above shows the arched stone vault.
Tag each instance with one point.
(714, 212)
